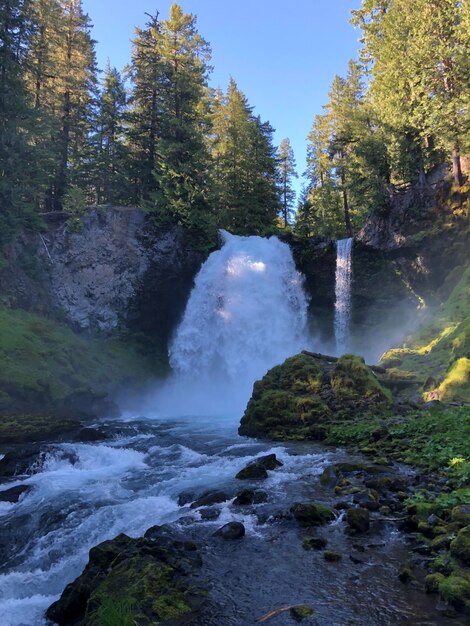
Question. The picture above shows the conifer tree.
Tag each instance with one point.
(286, 168)
(16, 120)
(111, 155)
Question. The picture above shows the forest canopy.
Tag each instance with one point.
(158, 136)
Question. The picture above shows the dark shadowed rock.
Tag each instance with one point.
(358, 519)
(86, 435)
(248, 496)
(209, 498)
(13, 494)
(232, 530)
(18, 462)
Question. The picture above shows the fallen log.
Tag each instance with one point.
(332, 359)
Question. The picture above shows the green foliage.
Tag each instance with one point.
(439, 350)
(115, 612)
(42, 361)
(286, 167)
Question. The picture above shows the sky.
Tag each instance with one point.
(282, 55)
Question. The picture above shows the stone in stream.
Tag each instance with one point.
(314, 543)
(301, 612)
(13, 494)
(358, 520)
(209, 498)
(312, 514)
(231, 531)
(89, 435)
(209, 513)
(248, 496)
(19, 462)
(257, 469)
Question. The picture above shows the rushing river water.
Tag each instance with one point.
(83, 494)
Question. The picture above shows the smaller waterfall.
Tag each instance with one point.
(343, 294)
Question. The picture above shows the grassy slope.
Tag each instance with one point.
(439, 352)
(44, 360)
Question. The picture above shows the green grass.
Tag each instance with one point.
(42, 360)
(439, 352)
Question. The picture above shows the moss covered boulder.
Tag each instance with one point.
(298, 399)
(127, 581)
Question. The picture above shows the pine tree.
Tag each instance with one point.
(146, 73)
(181, 158)
(244, 182)
(286, 168)
(111, 156)
(16, 120)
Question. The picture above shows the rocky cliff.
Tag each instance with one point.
(96, 278)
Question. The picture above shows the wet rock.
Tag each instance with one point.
(332, 556)
(367, 499)
(18, 462)
(208, 514)
(314, 543)
(151, 580)
(358, 519)
(185, 497)
(209, 498)
(301, 612)
(329, 477)
(231, 531)
(13, 494)
(460, 546)
(253, 471)
(342, 505)
(89, 435)
(269, 461)
(312, 514)
(248, 496)
(257, 469)
(405, 575)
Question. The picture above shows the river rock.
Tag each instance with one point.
(358, 519)
(87, 435)
(150, 580)
(209, 498)
(248, 496)
(257, 469)
(209, 513)
(13, 494)
(18, 462)
(312, 514)
(231, 531)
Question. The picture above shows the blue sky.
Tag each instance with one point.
(282, 55)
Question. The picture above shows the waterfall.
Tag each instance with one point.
(343, 294)
(246, 313)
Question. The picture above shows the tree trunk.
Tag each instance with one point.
(456, 165)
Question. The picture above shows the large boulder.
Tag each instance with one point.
(297, 400)
(146, 581)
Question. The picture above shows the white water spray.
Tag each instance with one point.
(343, 294)
(246, 313)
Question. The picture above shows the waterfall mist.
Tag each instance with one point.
(246, 313)
(343, 294)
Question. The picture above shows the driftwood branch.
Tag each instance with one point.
(264, 618)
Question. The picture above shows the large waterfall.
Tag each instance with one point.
(343, 294)
(246, 313)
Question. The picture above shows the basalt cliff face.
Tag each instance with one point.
(117, 271)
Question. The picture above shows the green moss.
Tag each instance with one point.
(439, 351)
(332, 556)
(352, 380)
(455, 590)
(43, 361)
(22, 428)
(432, 581)
(460, 547)
(302, 397)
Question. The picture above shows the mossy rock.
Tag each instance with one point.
(455, 590)
(28, 428)
(312, 514)
(301, 397)
(332, 556)
(460, 546)
(127, 581)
